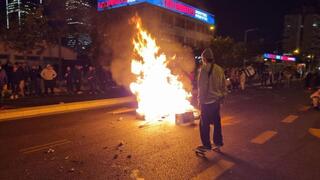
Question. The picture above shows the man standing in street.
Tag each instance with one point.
(211, 91)
(48, 74)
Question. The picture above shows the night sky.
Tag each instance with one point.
(235, 16)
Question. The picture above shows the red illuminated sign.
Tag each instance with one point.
(179, 7)
(110, 3)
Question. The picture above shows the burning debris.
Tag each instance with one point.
(159, 92)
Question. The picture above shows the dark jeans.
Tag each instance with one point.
(69, 87)
(35, 87)
(15, 88)
(92, 85)
(210, 114)
(78, 85)
(48, 84)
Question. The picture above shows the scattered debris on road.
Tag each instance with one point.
(50, 151)
(71, 170)
(115, 156)
(135, 174)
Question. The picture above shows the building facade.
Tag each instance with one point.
(16, 10)
(302, 34)
(310, 43)
(292, 32)
(76, 11)
(167, 20)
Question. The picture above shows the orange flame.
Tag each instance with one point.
(159, 93)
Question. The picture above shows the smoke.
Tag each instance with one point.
(181, 59)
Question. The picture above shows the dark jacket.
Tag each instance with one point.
(17, 76)
(68, 76)
(3, 78)
(34, 74)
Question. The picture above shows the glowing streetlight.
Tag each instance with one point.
(296, 51)
(212, 28)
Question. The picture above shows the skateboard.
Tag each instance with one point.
(203, 153)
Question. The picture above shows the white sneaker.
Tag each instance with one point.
(217, 148)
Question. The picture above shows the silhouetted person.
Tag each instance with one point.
(35, 80)
(78, 78)
(68, 77)
(92, 78)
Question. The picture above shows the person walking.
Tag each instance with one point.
(211, 92)
(242, 80)
(49, 75)
(68, 78)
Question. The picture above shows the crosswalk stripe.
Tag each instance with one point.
(44, 145)
(290, 119)
(304, 108)
(315, 132)
(213, 172)
(264, 137)
(123, 110)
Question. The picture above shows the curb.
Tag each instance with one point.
(37, 111)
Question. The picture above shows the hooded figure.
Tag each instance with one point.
(211, 91)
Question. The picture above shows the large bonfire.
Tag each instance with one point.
(159, 93)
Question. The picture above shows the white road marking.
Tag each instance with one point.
(122, 110)
(315, 132)
(290, 119)
(264, 137)
(214, 171)
(44, 146)
(304, 108)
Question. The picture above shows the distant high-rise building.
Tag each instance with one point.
(78, 19)
(302, 34)
(292, 32)
(2, 14)
(16, 10)
(310, 43)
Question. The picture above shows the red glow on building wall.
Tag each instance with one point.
(179, 7)
(110, 3)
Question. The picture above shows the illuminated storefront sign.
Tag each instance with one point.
(279, 57)
(172, 5)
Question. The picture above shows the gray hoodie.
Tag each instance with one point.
(211, 88)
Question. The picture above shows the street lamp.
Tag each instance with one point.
(246, 34)
(246, 39)
(296, 51)
(212, 28)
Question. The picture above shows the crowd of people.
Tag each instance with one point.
(20, 80)
(238, 78)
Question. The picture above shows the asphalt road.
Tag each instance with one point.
(266, 135)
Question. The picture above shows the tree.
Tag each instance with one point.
(28, 35)
(227, 52)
